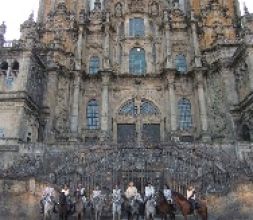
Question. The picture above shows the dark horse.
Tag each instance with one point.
(186, 207)
(63, 207)
(163, 207)
(134, 208)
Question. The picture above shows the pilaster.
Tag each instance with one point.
(105, 105)
(172, 101)
(202, 105)
(75, 105)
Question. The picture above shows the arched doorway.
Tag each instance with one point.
(138, 123)
(245, 133)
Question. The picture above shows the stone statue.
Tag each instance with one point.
(118, 10)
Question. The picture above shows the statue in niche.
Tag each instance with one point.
(154, 9)
(118, 10)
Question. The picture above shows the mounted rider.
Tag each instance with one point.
(149, 191)
(66, 192)
(191, 196)
(131, 191)
(116, 194)
(167, 193)
(80, 190)
(47, 195)
(96, 193)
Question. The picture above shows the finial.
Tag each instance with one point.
(246, 10)
(31, 16)
(2, 28)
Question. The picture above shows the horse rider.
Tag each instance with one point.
(116, 194)
(167, 193)
(131, 191)
(149, 191)
(191, 197)
(66, 192)
(96, 193)
(80, 190)
(47, 193)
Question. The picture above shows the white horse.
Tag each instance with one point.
(116, 206)
(150, 209)
(98, 205)
(48, 208)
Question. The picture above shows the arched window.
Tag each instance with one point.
(120, 54)
(95, 4)
(94, 65)
(92, 115)
(245, 133)
(184, 114)
(15, 68)
(181, 64)
(137, 62)
(154, 53)
(129, 108)
(4, 67)
(136, 27)
(148, 108)
(121, 30)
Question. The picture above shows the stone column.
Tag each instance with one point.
(75, 105)
(79, 49)
(249, 61)
(172, 98)
(195, 41)
(105, 104)
(202, 102)
(168, 41)
(50, 101)
(107, 42)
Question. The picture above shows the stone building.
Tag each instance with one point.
(131, 72)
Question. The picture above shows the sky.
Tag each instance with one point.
(15, 12)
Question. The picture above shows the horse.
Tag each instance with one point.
(63, 207)
(186, 207)
(116, 206)
(133, 208)
(164, 208)
(48, 208)
(150, 208)
(79, 207)
(98, 205)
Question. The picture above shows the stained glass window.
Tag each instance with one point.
(137, 61)
(92, 115)
(181, 64)
(94, 65)
(136, 27)
(184, 114)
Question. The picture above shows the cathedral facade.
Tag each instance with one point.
(129, 72)
(138, 71)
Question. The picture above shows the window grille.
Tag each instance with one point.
(92, 115)
(137, 61)
(148, 108)
(94, 65)
(185, 116)
(181, 64)
(136, 27)
(129, 108)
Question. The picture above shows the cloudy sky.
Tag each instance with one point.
(14, 12)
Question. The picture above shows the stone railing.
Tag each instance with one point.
(10, 43)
